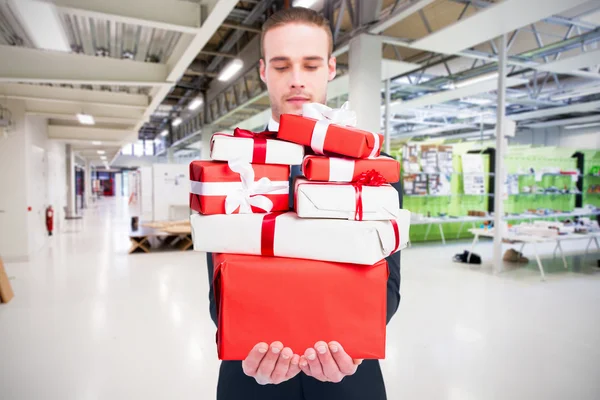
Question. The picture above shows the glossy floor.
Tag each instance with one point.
(91, 322)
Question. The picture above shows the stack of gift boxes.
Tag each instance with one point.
(315, 273)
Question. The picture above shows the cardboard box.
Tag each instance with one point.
(299, 302)
(287, 235)
(6, 292)
(346, 201)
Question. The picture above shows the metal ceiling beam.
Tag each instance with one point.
(562, 121)
(21, 64)
(62, 95)
(90, 133)
(548, 112)
(73, 117)
(171, 15)
(217, 53)
(396, 15)
(241, 27)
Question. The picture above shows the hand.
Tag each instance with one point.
(328, 363)
(271, 365)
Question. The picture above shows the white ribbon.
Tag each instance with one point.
(341, 169)
(244, 194)
(326, 116)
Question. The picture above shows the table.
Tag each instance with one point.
(533, 240)
(429, 221)
(181, 239)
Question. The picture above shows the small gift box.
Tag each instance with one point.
(264, 299)
(287, 235)
(256, 148)
(329, 131)
(334, 169)
(355, 201)
(238, 187)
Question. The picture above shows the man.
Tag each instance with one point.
(296, 66)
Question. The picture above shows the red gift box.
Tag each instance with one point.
(299, 302)
(333, 169)
(323, 137)
(217, 189)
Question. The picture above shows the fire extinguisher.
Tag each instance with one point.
(49, 220)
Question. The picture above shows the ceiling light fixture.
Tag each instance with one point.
(230, 70)
(197, 102)
(101, 152)
(177, 121)
(164, 133)
(304, 3)
(577, 126)
(476, 79)
(43, 24)
(103, 158)
(96, 143)
(85, 119)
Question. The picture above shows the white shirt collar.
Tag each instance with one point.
(273, 125)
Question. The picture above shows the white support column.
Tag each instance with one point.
(171, 155)
(87, 182)
(70, 164)
(365, 81)
(207, 132)
(387, 116)
(500, 154)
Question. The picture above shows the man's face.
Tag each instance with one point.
(296, 67)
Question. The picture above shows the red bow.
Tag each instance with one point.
(259, 153)
(368, 178)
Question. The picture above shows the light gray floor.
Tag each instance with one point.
(91, 322)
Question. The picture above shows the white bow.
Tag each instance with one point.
(339, 116)
(251, 192)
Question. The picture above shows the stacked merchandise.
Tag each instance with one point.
(316, 273)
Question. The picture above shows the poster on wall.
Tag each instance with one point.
(410, 158)
(429, 159)
(473, 174)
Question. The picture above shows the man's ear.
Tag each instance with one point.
(332, 67)
(262, 69)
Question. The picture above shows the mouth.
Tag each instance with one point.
(297, 100)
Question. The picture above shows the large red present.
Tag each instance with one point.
(334, 169)
(299, 302)
(329, 131)
(238, 187)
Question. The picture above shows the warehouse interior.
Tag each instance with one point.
(104, 104)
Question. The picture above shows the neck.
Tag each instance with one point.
(275, 117)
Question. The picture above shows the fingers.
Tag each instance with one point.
(328, 364)
(294, 367)
(304, 365)
(282, 366)
(251, 363)
(314, 365)
(267, 365)
(344, 362)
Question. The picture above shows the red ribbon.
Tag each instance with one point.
(368, 178)
(267, 235)
(259, 152)
(396, 235)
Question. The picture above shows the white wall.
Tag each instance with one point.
(588, 138)
(171, 191)
(14, 243)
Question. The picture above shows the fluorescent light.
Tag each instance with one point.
(476, 101)
(231, 69)
(577, 126)
(476, 79)
(177, 121)
(101, 152)
(103, 158)
(157, 140)
(164, 133)
(304, 3)
(96, 143)
(197, 102)
(42, 22)
(86, 119)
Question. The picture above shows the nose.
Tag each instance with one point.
(297, 78)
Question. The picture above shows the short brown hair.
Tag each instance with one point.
(296, 15)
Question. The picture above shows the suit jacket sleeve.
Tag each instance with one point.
(211, 294)
(393, 284)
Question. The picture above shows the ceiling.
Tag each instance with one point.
(137, 65)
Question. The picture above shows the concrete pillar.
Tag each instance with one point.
(70, 164)
(87, 182)
(365, 81)
(207, 132)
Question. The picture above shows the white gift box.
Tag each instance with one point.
(356, 242)
(228, 148)
(341, 201)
